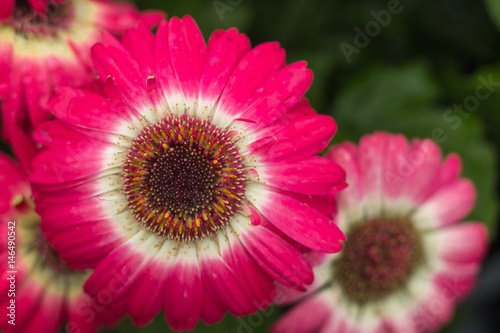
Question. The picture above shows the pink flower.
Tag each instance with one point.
(407, 260)
(193, 174)
(46, 44)
(39, 291)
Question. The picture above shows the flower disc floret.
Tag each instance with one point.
(184, 177)
(378, 258)
(27, 22)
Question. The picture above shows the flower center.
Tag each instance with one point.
(42, 260)
(49, 257)
(378, 258)
(184, 177)
(28, 22)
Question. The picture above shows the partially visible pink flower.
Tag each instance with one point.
(193, 174)
(46, 44)
(44, 292)
(407, 260)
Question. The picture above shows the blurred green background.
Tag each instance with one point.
(417, 71)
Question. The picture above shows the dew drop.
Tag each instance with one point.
(291, 101)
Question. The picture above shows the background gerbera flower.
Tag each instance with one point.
(193, 174)
(45, 44)
(46, 292)
(407, 260)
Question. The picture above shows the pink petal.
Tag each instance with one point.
(56, 133)
(147, 293)
(86, 210)
(151, 18)
(454, 287)
(15, 102)
(275, 256)
(7, 9)
(164, 68)
(24, 147)
(250, 79)
(306, 317)
(433, 311)
(210, 312)
(289, 86)
(81, 160)
(300, 222)
(454, 280)
(88, 189)
(94, 242)
(423, 162)
(395, 166)
(116, 17)
(448, 172)
(223, 54)
(188, 52)
(140, 43)
(325, 204)
(448, 204)
(221, 283)
(13, 181)
(29, 297)
(49, 314)
(460, 243)
(322, 276)
(315, 176)
(37, 84)
(6, 53)
(255, 280)
(118, 271)
(40, 6)
(294, 141)
(88, 110)
(183, 291)
(67, 73)
(130, 79)
(82, 314)
(372, 150)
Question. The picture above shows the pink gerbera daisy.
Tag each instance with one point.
(39, 292)
(192, 179)
(45, 44)
(407, 259)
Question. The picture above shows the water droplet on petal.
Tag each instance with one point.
(291, 101)
(259, 91)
